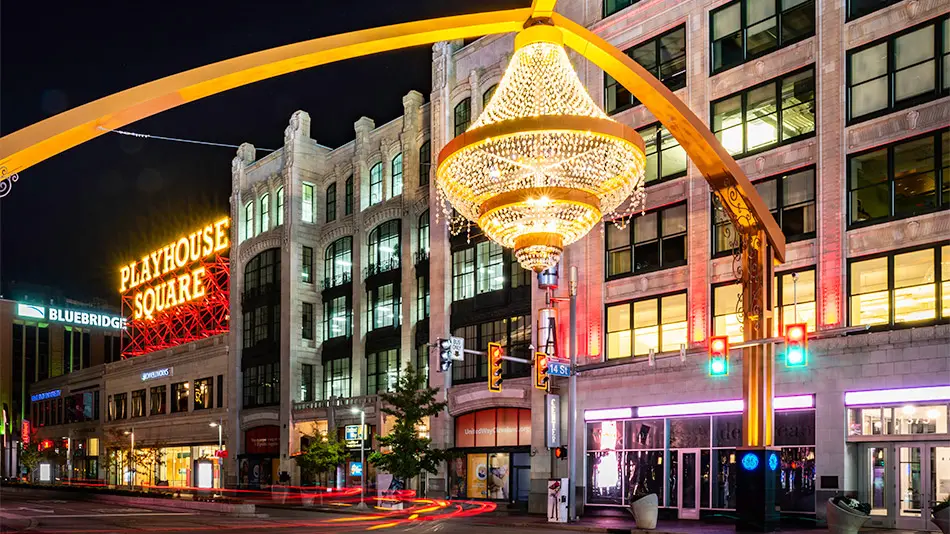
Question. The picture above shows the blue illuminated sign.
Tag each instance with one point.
(356, 469)
(773, 461)
(750, 461)
(46, 395)
(556, 368)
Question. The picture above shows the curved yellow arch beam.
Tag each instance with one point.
(37, 142)
(745, 206)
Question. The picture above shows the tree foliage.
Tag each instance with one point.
(324, 453)
(411, 404)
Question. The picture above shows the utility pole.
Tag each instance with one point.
(572, 404)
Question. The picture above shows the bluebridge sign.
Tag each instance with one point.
(69, 316)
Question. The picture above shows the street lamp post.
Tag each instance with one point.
(362, 456)
(219, 425)
(131, 434)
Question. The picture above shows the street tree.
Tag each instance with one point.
(409, 452)
(324, 452)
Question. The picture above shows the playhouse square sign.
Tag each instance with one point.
(171, 275)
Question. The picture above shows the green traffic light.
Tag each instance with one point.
(718, 367)
(795, 357)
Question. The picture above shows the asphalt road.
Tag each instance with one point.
(56, 513)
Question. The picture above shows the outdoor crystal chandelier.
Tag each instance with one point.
(542, 164)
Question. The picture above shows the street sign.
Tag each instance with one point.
(356, 469)
(556, 368)
(458, 348)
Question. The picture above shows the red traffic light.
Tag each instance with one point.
(795, 332)
(718, 344)
(560, 453)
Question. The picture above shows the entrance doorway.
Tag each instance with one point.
(688, 475)
(902, 480)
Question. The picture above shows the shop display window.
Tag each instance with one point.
(900, 420)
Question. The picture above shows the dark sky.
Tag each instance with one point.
(71, 221)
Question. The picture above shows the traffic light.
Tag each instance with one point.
(560, 453)
(541, 370)
(796, 345)
(445, 355)
(494, 367)
(718, 356)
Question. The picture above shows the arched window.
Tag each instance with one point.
(396, 181)
(376, 184)
(262, 270)
(338, 262)
(383, 247)
(486, 96)
(463, 116)
(280, 206)
(348, 196)
(265, 212)
(248, 220)
(331, 203)
(424, 235)
(425, 162)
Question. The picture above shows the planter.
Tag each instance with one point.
(842, 520)
(644, 511)
(941, 518)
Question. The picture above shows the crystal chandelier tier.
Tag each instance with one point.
(542, 164)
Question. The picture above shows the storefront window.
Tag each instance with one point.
(604, 476)
(906, 419)
(643, 473)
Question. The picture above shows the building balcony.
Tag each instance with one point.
(421, 256)
(384, 266)
(340, 405)
(335, 281)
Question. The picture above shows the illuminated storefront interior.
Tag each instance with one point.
(495, 463)
(166, 466)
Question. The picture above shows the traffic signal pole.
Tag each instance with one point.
(572, 405)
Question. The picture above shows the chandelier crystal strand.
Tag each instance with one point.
(542, 164)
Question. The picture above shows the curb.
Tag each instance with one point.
(570, 527)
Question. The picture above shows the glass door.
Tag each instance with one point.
(910, 487)
(688, 471)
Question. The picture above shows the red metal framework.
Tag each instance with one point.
(191, 321)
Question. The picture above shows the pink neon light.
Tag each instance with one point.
(887, 396)
(609, 413)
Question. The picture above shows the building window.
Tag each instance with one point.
(899, 180)
(376, 184)
(306, 382)
(331, 203)
(423, 236)
(120, 406)
(665, 158)
(262, 385)
(491, 267)
(336, 378)
(138, 403)
(220, 391)
(307, 204)
(383, 310)
(262, 272)
(663, 56)
(76, 350)
(486, 96)
(513, 333)
(265, 212)
(180, 394)
(727, 301)
(463, 274)
(520, 277)
(306, 323)
(791, 201)
(280, 206)
(633, 328)
(422, 297)
(860, 8)
(158, 395)
(261, 324)
(900, 288)
(794, 300)
(113, 349)
(396, 178)
(422, 360)
(337, 317)
(204, 393)
(425, 162)
(899, 71)
(306, 265)
(746, 29)
(655, 240)
(613, 6)
(463, 116)
(338, 262)
(348, 196)
(249, 220)
(775, 113)
(382, 371)
(383, 247)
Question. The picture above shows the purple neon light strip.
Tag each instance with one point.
(888, 396)
(725, 406)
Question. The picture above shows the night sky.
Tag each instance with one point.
(71, 221)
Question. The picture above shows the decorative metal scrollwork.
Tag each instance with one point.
(6, 182)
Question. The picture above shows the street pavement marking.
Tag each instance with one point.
(37, 510)
(119, 515)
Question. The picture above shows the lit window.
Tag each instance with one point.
(514, 334)
(180, 395)
(138, 403)
(348, 196)
(265, 212)
(664, 57)
(203, 394)
(306, 321)
(306, 205)
(746, 29)
(262, 385)
(463, 271)
(727, 300)
(338, 262)
(425, 162)
(778, 112)
(331, 202)
(280, 206)
(249, 220)
(898, 71)
(422, 360)
(383, 310)
(376, 184)
(633, 328)
(422, 297)
(899, 180)
(382, 371)
(463, 115)
(396, 178)
(336, 378)
(665, 158)
(336, 317)
(897, 288)
(423, 236)
(658, 242)
(794, 300)
(789, 197)
(306, 265)
(306, 382)
(945, 279)
(490, 259)
(158, 396)
(486, 96)
(383, 247)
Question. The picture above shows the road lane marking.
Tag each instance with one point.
(37, 510)
(70, 516)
